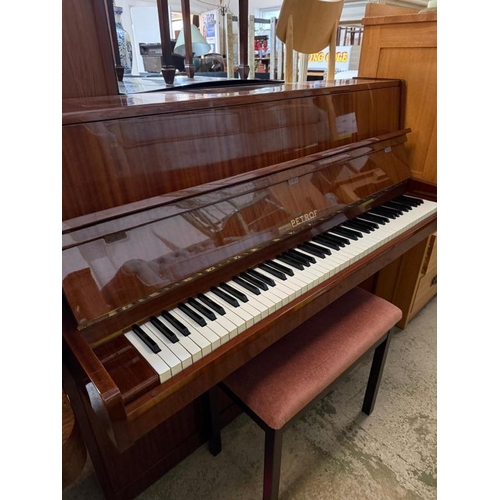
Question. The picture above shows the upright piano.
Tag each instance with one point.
(202, 224)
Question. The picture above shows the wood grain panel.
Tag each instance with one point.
(74, 453)
(418, 67)
(87, 54)
(112, 162)
(405, 47)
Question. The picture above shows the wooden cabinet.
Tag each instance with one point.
(404, 46)
(410, 281)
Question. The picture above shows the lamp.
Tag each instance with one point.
(199, 45)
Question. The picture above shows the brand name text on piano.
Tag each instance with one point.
(303, 218)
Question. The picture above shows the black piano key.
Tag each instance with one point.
(164, 330)
(312, 246)
(338, 239)
(235, 293)
(273, 271)
(374, 225)
(357, 227)
(255, 281)
(246, 285)
(192, 314)
(312, 252)
(286, 259)
(348, 233)
(225, 297)
(414, 202)
(146, 338)
(391, 206)
(367, 223)
(212, 304)
(398, 206)
(260, 276)
(354, 232)
(202, 309)
(326, 242)
(385, 212)
(279, 267)
(176, 323)
(378, 219)
(307, 259)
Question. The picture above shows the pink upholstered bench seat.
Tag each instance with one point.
(288, 375)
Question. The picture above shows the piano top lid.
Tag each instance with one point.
(121, 258)
(177, 99)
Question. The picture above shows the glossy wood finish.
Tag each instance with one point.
(74, 453)
(135, 409)
(123, 475)
(135, 428)
(145, 413)
(201, 95)
(88, 66)
(125, 149)
(405, 46)
(144, 255)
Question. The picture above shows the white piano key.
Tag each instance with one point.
(239, 311)
(230, 328)
(303, 284)
(236, 319)
(206, 331)
(257, 310)
(289, 290)
(194, 336)
(188, 343)
(266, 298)
(175, 347)
(203, 340)
(156, 362)
(320, 266)
(254, 313)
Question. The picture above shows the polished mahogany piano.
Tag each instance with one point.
(202, 224)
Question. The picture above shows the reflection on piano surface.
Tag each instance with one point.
(166, 293)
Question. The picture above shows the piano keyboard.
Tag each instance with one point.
(181, 336)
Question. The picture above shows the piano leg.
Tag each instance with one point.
(214, 443)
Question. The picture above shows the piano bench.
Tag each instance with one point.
(290, 376)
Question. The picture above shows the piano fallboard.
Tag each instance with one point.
(114, 265)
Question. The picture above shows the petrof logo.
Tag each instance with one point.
(304, 218)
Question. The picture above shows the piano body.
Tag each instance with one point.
(181, 200)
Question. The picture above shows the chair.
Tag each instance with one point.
(309, 27)
(285, 380)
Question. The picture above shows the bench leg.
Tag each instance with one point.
(272, 463)
(214, 443)
(375, 375)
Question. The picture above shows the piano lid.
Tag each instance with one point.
(117, 259)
